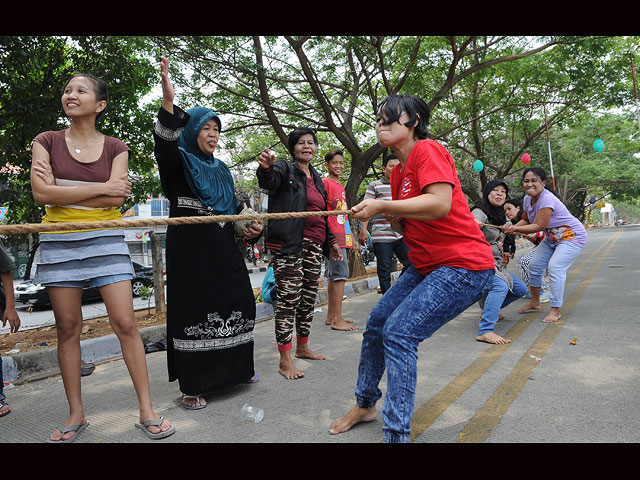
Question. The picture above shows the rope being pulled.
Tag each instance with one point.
(146, 222)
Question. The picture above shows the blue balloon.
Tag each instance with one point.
(478, 166)
(598, 145)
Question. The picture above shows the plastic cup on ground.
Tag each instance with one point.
(251, 414)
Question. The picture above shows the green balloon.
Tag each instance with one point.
(478, 166)
(598, 145)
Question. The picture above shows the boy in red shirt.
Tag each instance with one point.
(337, 271)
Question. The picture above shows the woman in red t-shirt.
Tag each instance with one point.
(452, 265)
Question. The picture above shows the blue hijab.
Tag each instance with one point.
(208, 177)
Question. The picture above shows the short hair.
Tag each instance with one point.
(542, 175)
(537, 171)
(416, 108)
(393, 156)
(99, 86)
(329, 156)
(295, 135)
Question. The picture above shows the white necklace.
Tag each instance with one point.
(79, 149)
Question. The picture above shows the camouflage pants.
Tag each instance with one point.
(297, 279)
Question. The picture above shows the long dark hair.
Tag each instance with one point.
(100, 87)
(516, 202)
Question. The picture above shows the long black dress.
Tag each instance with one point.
(210, 305)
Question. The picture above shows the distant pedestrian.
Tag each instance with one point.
(297, 244)
(8, 313)
(81, 175)
(337, 271)
(386, 241)
(565, 237)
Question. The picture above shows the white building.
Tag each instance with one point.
(138, 238)
(608, 215)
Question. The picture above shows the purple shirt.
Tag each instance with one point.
(562, 225)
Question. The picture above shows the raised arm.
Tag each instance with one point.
(168, 92)
(270, 173)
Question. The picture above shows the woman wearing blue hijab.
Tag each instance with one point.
(210, 308)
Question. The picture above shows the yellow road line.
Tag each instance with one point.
(431, 410)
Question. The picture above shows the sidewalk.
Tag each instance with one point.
(39, 364)
(295, 411)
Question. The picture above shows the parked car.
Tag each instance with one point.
(29, 293)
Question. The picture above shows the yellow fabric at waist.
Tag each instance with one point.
(57, 214)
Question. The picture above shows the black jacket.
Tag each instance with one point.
(287, 185)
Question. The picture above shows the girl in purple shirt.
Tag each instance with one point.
(564, 238)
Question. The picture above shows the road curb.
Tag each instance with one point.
(38, 364)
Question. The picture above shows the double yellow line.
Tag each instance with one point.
(490, 414)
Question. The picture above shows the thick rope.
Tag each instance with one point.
(22, 228)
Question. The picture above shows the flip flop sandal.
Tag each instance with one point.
(188, 407)
(3, 404)
(155, 423)
(158, 346)
(70, 428)
(254, 379)
(87, 369)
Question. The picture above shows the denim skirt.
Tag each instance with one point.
(80, 256)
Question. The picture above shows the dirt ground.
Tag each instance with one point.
(45, 337)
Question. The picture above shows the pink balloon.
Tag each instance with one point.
(525, 158)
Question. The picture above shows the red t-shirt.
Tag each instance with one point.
(455, 240)
(337, 200)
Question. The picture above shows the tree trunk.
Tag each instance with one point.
(34, 242)
(158, 272)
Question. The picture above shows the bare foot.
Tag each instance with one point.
(529, 307)
(343, 325)
(328, 320)
(193, 401)
(57, 435)
(353, 417)
(553, 315)
(303, 351)
(287, 369)
(491, 337)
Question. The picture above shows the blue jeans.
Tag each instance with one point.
(556, 259)
(411, 311)
(497, 298)
(96, 282)
(384, 252)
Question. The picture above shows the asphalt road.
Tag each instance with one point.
(575, 381)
